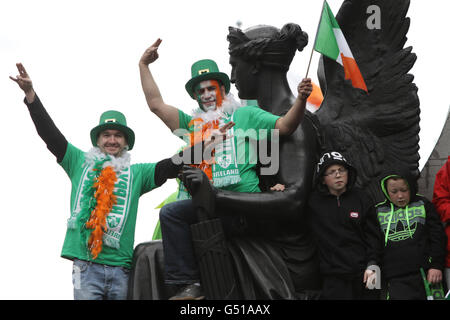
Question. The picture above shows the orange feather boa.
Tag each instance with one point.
(104, 185)
(201, 135)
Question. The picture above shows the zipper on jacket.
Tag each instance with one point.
(338, 201)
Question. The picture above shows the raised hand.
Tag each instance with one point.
(23, 79)
(151, 54)
(24, 82)
(305, 88)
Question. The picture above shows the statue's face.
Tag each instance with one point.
(209, 94)
(243, 75)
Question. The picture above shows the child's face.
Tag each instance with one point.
(398, 191)
(335, 178)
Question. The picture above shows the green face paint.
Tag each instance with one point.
(198, 96)
(208, 94)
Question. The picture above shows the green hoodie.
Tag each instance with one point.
(398, 212)
(413, 235)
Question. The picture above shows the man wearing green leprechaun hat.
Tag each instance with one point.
(104, 197)
(217, 107)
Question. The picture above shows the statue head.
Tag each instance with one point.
(261, 47)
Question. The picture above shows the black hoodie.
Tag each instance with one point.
(416, 237)
(345, 233)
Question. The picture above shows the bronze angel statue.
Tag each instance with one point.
(378, 130)
(273, 256)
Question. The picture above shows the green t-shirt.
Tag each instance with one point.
(118, 241)
(252, 124)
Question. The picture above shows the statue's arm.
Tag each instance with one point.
(297, 161)
(295, 172)
(285, 205)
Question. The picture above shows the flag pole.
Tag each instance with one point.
(310, 58)
(315, 39)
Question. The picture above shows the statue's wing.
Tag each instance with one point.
(378, 130)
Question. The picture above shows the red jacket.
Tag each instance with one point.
(441, 200)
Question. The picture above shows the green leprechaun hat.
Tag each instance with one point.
(206, 69)
(114, 120)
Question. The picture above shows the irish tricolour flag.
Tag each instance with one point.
(330, 41)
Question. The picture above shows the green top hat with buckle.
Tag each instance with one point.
(206, 69)
(114, 120)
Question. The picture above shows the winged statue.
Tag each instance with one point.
(378, 130)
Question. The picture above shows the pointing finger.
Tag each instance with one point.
(21, 69)
(157, 43)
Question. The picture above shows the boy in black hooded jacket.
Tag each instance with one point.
(413, 239)
(345, 233)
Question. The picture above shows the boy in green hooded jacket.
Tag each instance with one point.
(413, 251)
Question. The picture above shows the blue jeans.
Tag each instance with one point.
(93, 281)
(179, 260)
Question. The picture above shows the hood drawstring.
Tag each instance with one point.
(389, 224)
(407, 221)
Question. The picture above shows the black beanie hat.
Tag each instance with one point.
(329, 158)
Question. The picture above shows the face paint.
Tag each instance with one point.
(208, 94)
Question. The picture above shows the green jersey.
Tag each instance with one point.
(118, 241)
(234, 169)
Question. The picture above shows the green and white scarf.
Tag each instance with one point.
(225, 170)
(85, 202)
